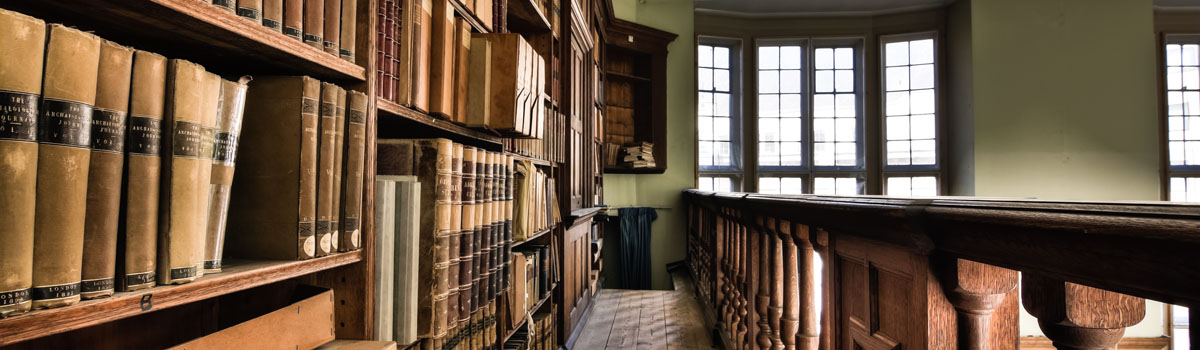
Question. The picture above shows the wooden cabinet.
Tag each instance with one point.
(635, 99)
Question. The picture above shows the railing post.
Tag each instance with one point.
(1079, 317)
(763, 276)
(808, 337)
(976, 290)
(775, 311)
(789, 319)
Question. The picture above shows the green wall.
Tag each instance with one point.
(662, 191)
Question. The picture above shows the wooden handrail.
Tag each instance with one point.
(1075, 258)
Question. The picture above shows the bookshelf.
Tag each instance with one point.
(401, 121)
(636, 91)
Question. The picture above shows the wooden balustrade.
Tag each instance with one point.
(934, 273)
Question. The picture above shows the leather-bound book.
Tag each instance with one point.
(250, 9)
(314, 23)
(193, 97)
(462, 67)
(225, 147)
(227, 5)
(508, 89)
(333, 26)
(394, 157)
(339, 149)
(327, 151)
(441, 63)
(478, 96)
(454, 241)
(137, 244)
(349, 30)
(273, 14)
(105, 169)
(272, 215)
(466, 240)
(293, 18)
(64, 134)
(497, 225)
(24, 41)
(352, 171)
(402, 50)
(477, 245)
(506, 215)
(485, 272)
(418, 77)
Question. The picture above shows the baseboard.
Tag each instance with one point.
(1129, 343)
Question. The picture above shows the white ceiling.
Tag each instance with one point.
(777, 8)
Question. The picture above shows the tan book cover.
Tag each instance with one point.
(24, 41)
(273, 14)
(192, 100)
(250, 9)
(462, 68)
(339, 147)
(333, 26)
(105, 170)
(441, 61)
(349, 29)
(326, 152)
(352, 171)
(505, 80)
(225, 146)
(314, 23)
(483, 10)
(467, 239)
(293, 18)
(272, 215)
(421, 44)
(138, 241)
(64, 130)
(478, 96)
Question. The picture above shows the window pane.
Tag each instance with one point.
(897, 78)
(823, 129)
(824, 81)
(722, 154)
(840, 186)
(768, 129)
(845, 80)
(846, 129)
(790, 153)
(904, 186)
(789, 106)
(921, 51)
(922, 127)
(823, 154)
(910, 103)
(789, 57)
(824, 59)
(824, 186)
(705, 128)
(846, 106)
(704, 78)
(897, 128)
(768, 106)
(789, 81)
(704, 101)
(723, 184)
(713, 111)
(823, 106)
(846, 154)
(922, 102)
(721, 57)
(768, 185)
(768, 81)
(768, 153)
(1190, 56)
(721, 80)
(768, 57)
(721, 129)
(844, 58)
(791, 185)
(896, 53)
(1174, 57)
(922, 77)
(897, 103)
(705, 153)
(721, 105)
(1185, 189)
(704, 56)
(704, 184)
(897, 153)
(791, 129)
(923, 152)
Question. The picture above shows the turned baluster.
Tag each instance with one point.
(807, 337)
(789, 322)
(975, 290)
(763, 301)
(723, 263)
(743, 289)
(1079, 317)
(819, 242)
(775, 310)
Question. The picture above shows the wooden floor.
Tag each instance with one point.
(645, 319)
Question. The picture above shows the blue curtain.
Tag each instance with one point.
(635, 247)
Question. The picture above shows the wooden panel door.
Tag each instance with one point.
(577, 268)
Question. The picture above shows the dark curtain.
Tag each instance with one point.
(635, 247)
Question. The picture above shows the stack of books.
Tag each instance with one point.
(638, 155)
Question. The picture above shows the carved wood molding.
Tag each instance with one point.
(1158, 343)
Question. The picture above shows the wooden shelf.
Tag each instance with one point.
(429, 126)
(536, 235)
(656, 170)
(624, 76)
(236, 276)
(535, 161)
(470, 17)
(524, 17)
(198, 31)
(534, 309)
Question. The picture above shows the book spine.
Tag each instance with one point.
(466, 240)
(348, 31)
(421, 43)
(23, 39)
(453, 249)
(309, 143)
(333, 25)
(462, 64)
(273, 14)
(143, 142)
(314, 23)
(485, 271)
(339, 147)
(508, 219)
(431, 164)
(352, 187)
(64, 135)
(326, 155)
(441, 253)
(387, 198)
(105, 170)
(227, 5)
(250, 9)
(225, 146)
(496, 226)
(477, 244)
(293, 18)
(441, 63)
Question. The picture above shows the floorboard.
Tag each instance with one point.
(645, 319)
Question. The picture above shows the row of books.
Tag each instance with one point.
(541, 334)
(533, 276)
(463, 235)
(551, 147)
(536, 201)
(324, 24)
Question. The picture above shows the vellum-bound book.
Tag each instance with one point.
(352, 171)
(339, 149)
(327, 155)
(137, 249)
(225, 145)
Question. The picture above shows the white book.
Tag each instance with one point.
(407, 212)
(385, 228)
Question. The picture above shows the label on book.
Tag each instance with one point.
(18, 116)
(212, 264)
(335, 237)
(357, 116)
(184, 272)
(145, 135)
(270, 23)
(192, 140)
(292, 32)
(346, 53)
(66, 123)
(225, 148)
(14, 297)
(309, 106)
(108, 130)
(312, 38)
(351, 228)
(138, 279)
(308, 241)
(97, 285)
(223, 3)
(55, 292)
(323, 235)
(330, 45)
(327, 110)
(247, 12)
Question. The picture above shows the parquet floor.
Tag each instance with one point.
(645, 319)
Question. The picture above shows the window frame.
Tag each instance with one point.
(736, 150)
(937, 170)
(1171, 171)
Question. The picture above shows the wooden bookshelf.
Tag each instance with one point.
(469, 16)
(535, 161)
(524, 17)
(535, 308)
(535, 236)
(237, 275)
(416, 125)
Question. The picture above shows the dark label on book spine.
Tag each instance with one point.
(144, 136)
(18, 116)
(357, 116)
(225, 148)
(307, 239)
(270, 23)
(309, 106)
(330, 45)
(350, 224)
(97, 285)
(346, 53)
(224, 3)
(248, 13)
(55, 292)
(66, 123)
(108, 130)
(328, 110)
(292, 32)
(192, 140)
(311, 38)
(212, 264)
(184, 272)
(138, 279)
(14, 297)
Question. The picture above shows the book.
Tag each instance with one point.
(513, 96)
(64, 130)
(517, 302)
(485, 270)
(466, 240)
(227, 5)
(224, 158)
(339, 147)
(441, 61)
(138, 242)
(24, 40)
(273, 14)
(352, 185)
(293, 18)
(454, 258)
(272, 215)
(462, 64)
(480, 262)
(250, 9)
(479, 95)
(418, 78)
(386, 236)
(105, 170)
(407, 255)
(348, 31)
(483, 11)
(314, 23)
(192, 100)
(327, 152)
(333, 26)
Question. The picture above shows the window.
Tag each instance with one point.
(1180, 324)
(781, 185)
(715, 184)
(717, 114)
(910, 115)
(1183, 116)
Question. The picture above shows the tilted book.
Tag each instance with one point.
(293, 18)
(333, 25)
(352, 171)
(314, 23)
(339, 147)
(272, 215)
(273, 14)
(24, 41)
(193, 96)
(349, 30)
(138, 242)
(225, 146)
(327, 152)
(64, 135)
(105, 170)
(250, 9)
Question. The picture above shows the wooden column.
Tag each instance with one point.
(789, 323)
(775, 309)
(975, 290)
(808, 337)
(1079, 317)
(822, 244)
